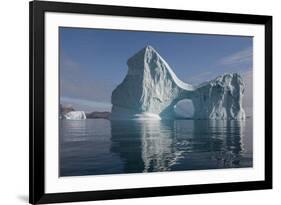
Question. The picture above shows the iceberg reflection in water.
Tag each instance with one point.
(98, 146)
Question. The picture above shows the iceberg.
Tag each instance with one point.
(75, 115)
(152, 89)
(220, 99)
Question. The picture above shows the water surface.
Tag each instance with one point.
(100, 146)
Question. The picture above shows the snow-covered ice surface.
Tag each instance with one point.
(152, 89)
(75, 115)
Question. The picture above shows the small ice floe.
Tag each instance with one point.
(75, 115)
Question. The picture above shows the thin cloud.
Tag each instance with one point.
(240, 57)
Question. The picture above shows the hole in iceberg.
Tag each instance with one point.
(184, 109)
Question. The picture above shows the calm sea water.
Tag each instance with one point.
(99, 146)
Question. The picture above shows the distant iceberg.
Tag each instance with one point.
(152, 89)
(75, 115)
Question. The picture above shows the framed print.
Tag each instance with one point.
(140, 102)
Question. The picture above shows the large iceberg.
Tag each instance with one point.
(75, 115)
(151, 89)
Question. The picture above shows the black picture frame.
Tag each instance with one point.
(37, 9)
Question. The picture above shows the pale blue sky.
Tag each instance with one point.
(93, 61)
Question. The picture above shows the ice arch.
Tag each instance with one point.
(152, 89)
